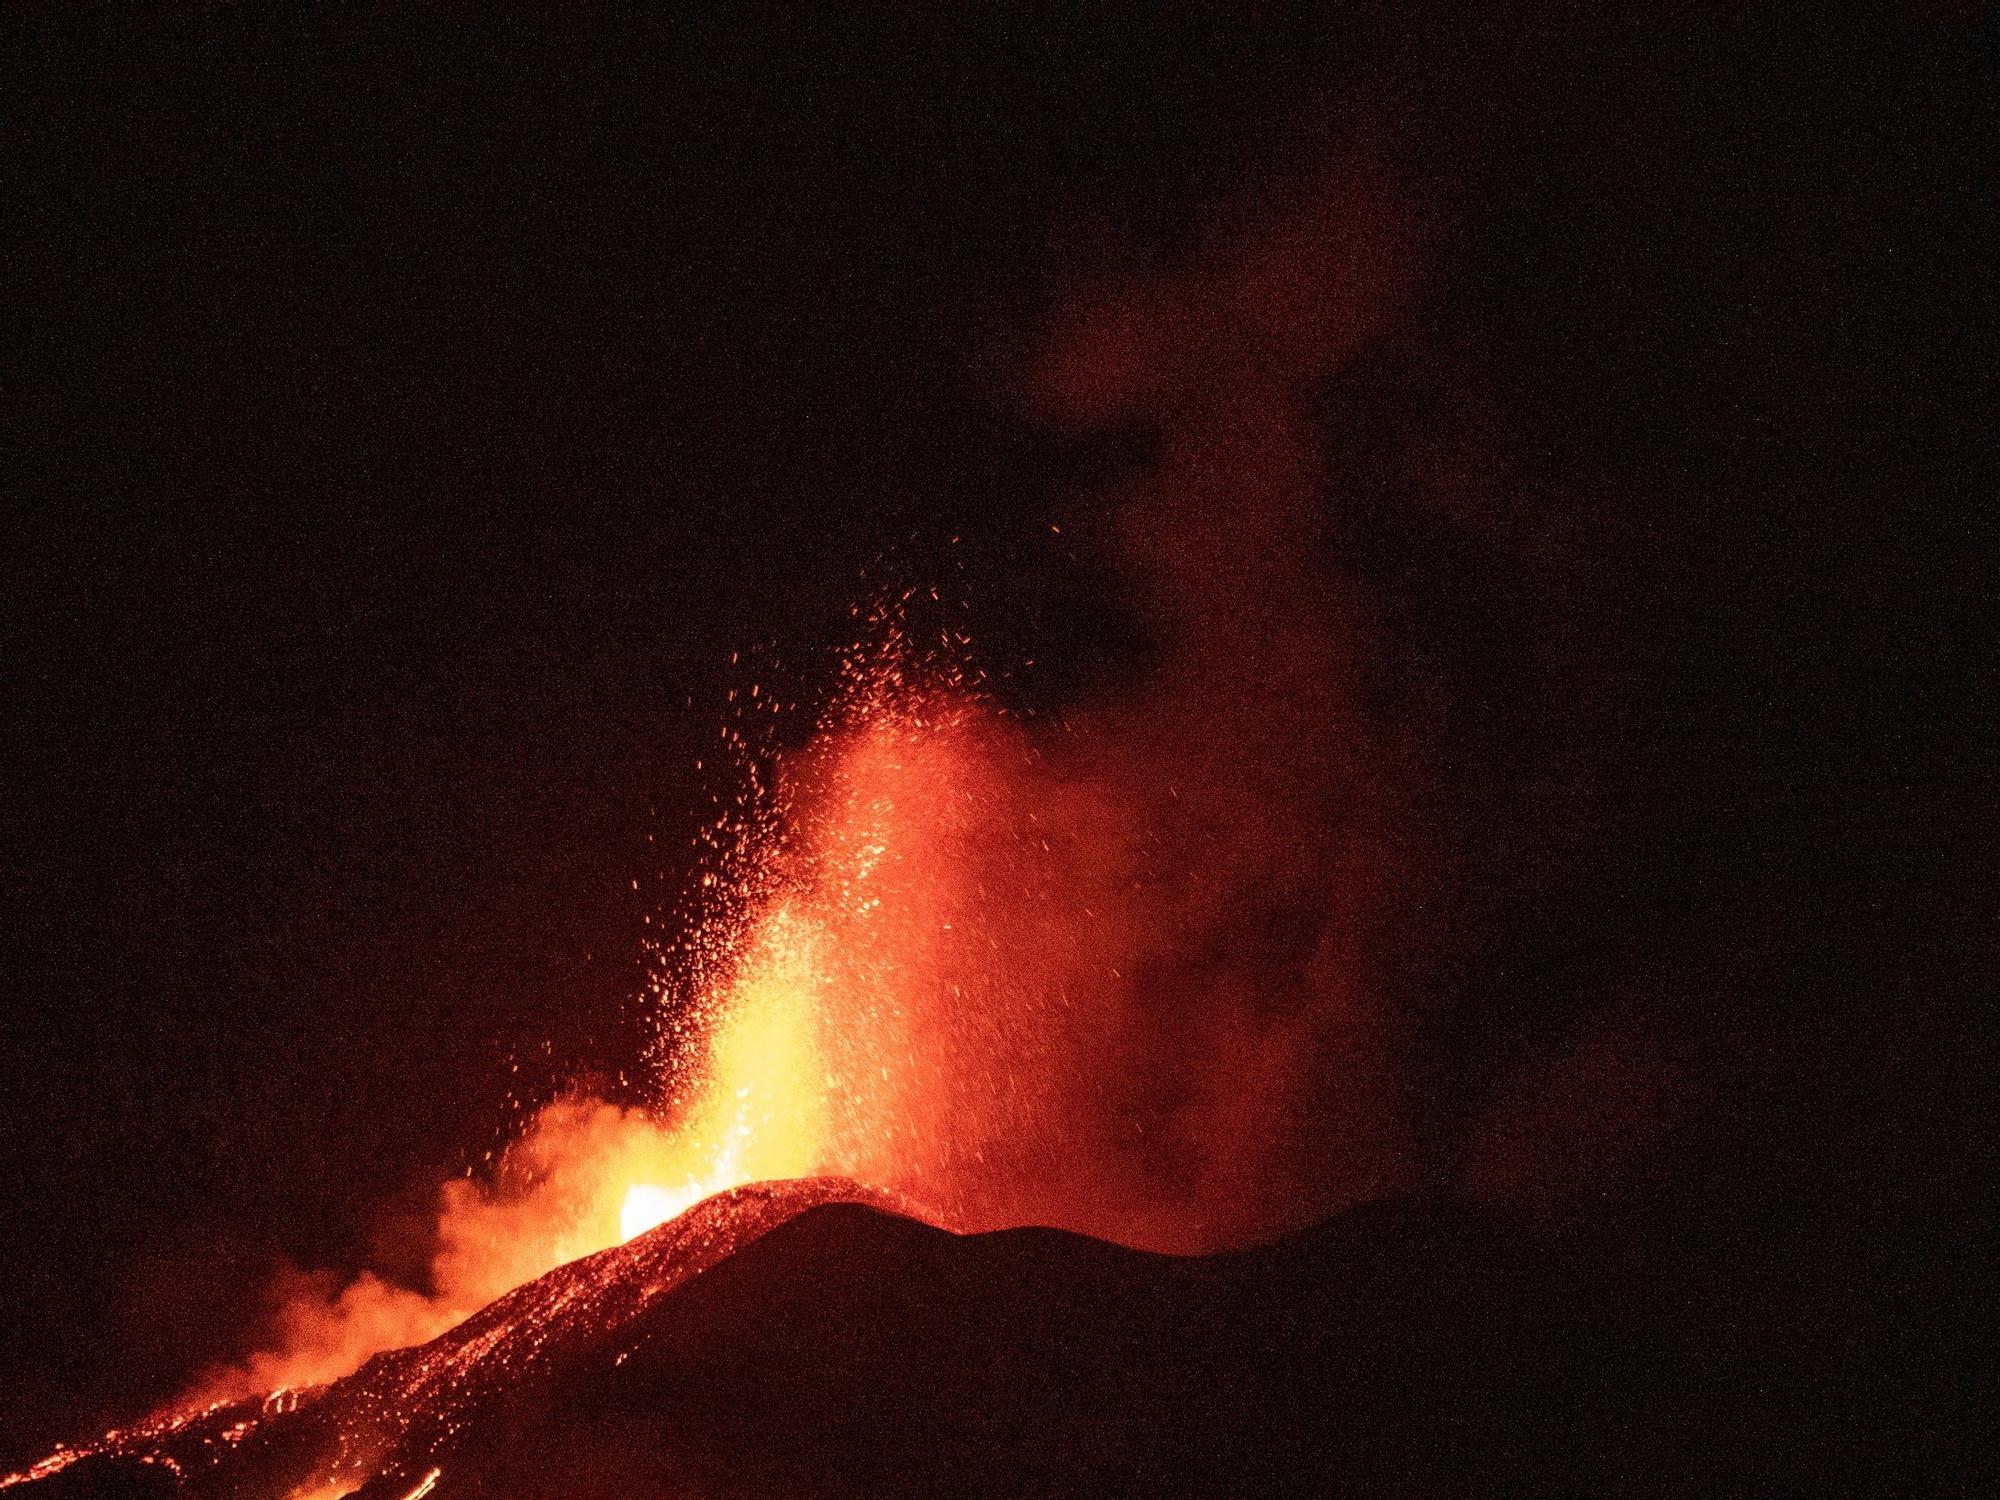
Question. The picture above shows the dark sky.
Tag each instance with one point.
(413, 412)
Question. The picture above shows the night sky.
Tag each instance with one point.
(411, 414)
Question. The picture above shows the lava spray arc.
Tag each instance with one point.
(786, 1045)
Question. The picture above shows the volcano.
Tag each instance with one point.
(1212, 756)
(814, 1337)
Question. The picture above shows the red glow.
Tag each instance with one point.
(797, 1035)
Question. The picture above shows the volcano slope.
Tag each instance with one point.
(808, 1338)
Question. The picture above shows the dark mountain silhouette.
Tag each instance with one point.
(807, 1338)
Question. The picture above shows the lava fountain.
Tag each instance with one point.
(785, 1047)
(761, 1108)
(991, 973)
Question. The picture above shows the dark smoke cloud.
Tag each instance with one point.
(1500, 538)
(1260, 1058)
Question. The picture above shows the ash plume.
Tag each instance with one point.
(1221, 838)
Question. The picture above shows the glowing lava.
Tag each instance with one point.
(785, 1051)
(761, 1111)
(644, 1207)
